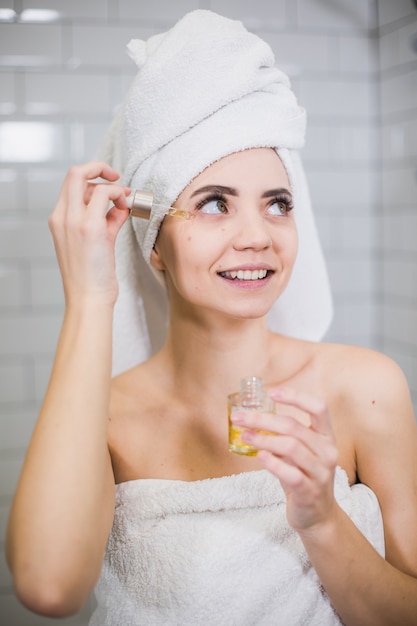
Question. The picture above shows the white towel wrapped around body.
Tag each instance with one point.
(217, 552)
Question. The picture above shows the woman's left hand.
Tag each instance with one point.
(303, 458)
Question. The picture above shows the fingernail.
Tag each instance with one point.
(237, 418)
(247, 436)
(277, 393)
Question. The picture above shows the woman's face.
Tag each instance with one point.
(237, 252)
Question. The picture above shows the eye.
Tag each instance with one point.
(279, 207)
(212, 206)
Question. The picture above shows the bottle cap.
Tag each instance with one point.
(140, 204)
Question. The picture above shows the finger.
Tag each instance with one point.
(79, 178)
(285, 436)
(280, 425)
(290, 476)
(116, 218)
(91, 187)
(289, 449)
(104, 194)
(304, 491)
(314, 406)
(316, 459)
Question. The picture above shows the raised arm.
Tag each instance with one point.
(63, 507)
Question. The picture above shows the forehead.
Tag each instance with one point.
(254, 169)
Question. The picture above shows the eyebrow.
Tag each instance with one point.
(276, 192)
(215, 189)
(230, 191)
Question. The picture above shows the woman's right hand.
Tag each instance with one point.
(84, 232)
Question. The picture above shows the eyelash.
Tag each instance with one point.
(284, 199)
(218, 197)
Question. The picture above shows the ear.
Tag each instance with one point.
(156, 259)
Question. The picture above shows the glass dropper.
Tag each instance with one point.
(141, 203)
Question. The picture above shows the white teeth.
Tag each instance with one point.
(246, 274)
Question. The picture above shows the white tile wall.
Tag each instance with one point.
(109, 49)
(16, 428)
(399, 92)
(358, 54)
(58, 93)
(301, 52)
(254, 13)
(7, 94)
(351, 275)
(400, 277)
(42, 189)
(31, 45)
(399, 184)
(343, 188)
(41, 372)
(400, 322)
(336, 97)
(399, 232)
(157, 10)
(12, 389)
(5, 579)
(10, 464)
(12, 285)
(45, 286)
(61, 82)
(10, 190)
(75, 9)
(356, 321)
(341, 16)
(390, 11)
(22, 239)
(397, 46)
(19, 616)
(29, 333)
(32, 141)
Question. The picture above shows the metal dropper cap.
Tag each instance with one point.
(140, 204)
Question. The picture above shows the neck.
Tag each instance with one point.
(217, 354)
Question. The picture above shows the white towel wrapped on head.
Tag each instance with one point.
(205, 89)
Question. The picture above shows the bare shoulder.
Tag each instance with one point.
(362, 378)
(355, 376)
(370, 391)
(373, 397)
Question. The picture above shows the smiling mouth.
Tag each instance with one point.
(246, 274)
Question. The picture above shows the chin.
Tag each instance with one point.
(250, 313)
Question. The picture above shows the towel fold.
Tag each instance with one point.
(217, 552)
(205, 89)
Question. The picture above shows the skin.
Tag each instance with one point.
(336, 405)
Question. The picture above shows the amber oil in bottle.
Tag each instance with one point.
(251, 397)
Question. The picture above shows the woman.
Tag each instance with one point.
(193, 534)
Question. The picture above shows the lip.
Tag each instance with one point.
(248, 284)
(249, 266)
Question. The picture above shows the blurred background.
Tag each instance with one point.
(63, 73)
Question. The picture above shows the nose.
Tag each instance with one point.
(252, 231)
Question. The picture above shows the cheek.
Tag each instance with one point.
(294, 242)
(182, 257)
(191, 257)
(289, 243)
(192, 260)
